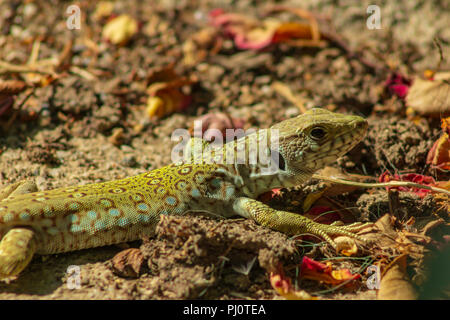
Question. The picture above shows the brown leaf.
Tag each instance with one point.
(439, 154)
(430, 97)
(395, 283)
(120, 30)
(283, 286)
(164, 90)
(11, 87)
(128, 263)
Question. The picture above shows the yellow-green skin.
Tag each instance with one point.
(74, 218)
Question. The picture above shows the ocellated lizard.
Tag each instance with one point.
(80, 217)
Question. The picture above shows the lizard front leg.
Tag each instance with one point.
(18, 245)
(292, 223)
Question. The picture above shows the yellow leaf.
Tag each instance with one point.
(120, 29)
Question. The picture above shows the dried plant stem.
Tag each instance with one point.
(382, 184)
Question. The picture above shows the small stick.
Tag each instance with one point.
(382, 184)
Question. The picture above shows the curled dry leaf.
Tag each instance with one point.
(201, 44)
(165, 95)
(9, 88)
(251, 33)
(430, 97)
(119, 30)
(346, 246)
(103, 9)
(395, 283)
(128, 263)
(283, 286)
(439, 155)
(314, 270)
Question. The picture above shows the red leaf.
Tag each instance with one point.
(311, 269)
(398, 84)
(412, 177)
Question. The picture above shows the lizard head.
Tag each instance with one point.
(315, 139)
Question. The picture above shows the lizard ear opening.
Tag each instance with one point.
(278, 159)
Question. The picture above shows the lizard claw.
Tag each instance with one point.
(326, 231)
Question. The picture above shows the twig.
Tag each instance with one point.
(382, 184)
(287, 93)
(16, 113)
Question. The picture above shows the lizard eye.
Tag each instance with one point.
(317, 133)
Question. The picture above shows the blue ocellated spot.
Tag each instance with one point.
(229, 191)
(99, 225)
(178, 210)
(92, 214)
(24, 216)
(106, 202)
(195, 193)
(75, 228)
(143, 218)
(74, 206)
(164, 212)
(123, 222)
(114, 212)
(142, 206)
(171, 200)
(73, 218)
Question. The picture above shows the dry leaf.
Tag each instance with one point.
(346, 246)
(439, 154)
(201, 44)
(252, 33)
(8, 89)
(283, 286)
(395, 284)
(314, 270)
(103, 10)
(165, 95)
(430, 97)
(412, 177)
(120, 29)
(128, 263)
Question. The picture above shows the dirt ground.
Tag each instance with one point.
(91, 127)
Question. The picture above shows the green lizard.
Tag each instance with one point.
(74, 218)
